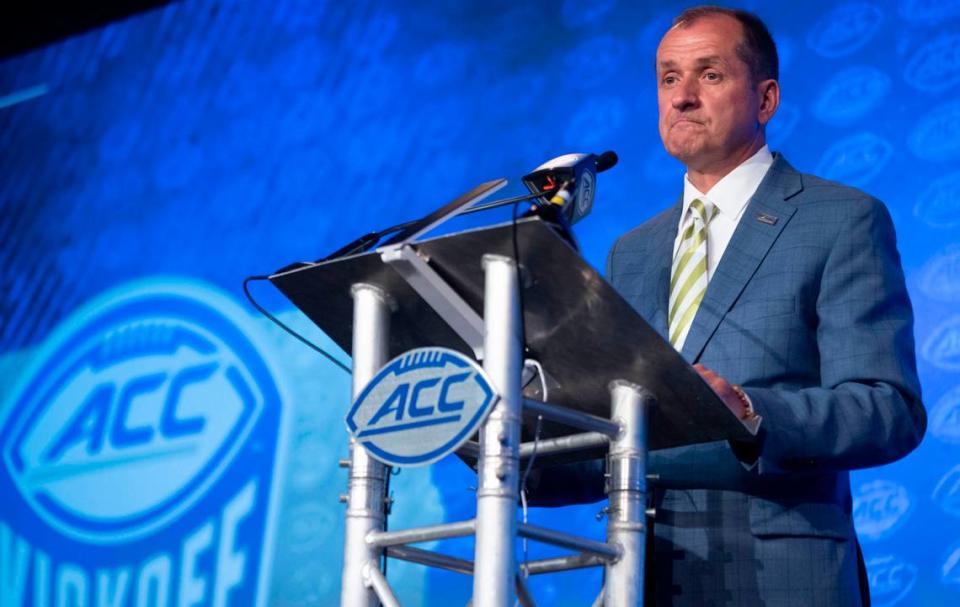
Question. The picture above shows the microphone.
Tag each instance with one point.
(576, 176)
(607, 160)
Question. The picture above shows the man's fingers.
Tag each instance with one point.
(706, 373)
(722, 388)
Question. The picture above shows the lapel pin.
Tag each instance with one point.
(770, 220)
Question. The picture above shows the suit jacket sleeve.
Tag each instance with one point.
(867, 409)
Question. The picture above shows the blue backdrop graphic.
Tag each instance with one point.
(212, 140)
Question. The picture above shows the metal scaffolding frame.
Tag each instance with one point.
(498, 580)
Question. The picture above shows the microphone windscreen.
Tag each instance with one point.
(606, 160)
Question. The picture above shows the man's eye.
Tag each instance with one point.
(668, 80)
(713, 76)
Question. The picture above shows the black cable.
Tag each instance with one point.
(301, 338)
(387, 508)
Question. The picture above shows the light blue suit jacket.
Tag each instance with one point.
(808, 311)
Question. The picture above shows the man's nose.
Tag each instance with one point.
(686, 94)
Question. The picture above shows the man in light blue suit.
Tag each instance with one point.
(786, 292)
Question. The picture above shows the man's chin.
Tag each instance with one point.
(686, 152)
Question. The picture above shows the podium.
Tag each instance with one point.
(615, 389)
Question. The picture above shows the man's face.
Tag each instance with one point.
(710, 109)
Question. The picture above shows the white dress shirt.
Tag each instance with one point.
(730, 196)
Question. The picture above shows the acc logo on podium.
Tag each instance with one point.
(140, 450)
(421, 406)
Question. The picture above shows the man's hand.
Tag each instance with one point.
(737, 404)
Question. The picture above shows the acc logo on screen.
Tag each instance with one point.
(950, 570)
(421, 406)
(845, 29)
(936, 66)
(891, 579)
(937, 135)
(856, 159)
(879, 508)
(945, 417)
(942, 347)
(851, 94)
(938, 206)
(940, 276)
(947, 492)
(136, 408)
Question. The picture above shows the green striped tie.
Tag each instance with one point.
(688, 282)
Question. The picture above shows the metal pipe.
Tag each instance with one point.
(563, 563)
(626, 490)
(598, 602)
(563, 444)
(431, 559)
(438, 294)
(367, 476)
(498, 467)
(571, 417)
(421, 534)
(505, 201)
(373, 579)
(568, 540)
(523, 592)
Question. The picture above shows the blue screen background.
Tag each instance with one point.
(214, 140)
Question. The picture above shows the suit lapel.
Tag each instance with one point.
(767, 213)
(662, 249)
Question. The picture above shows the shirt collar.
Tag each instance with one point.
(730, 194)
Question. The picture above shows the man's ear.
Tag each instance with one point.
(769, 94)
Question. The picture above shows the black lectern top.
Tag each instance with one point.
(577, 326)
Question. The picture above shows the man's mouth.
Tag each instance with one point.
(686, 121)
